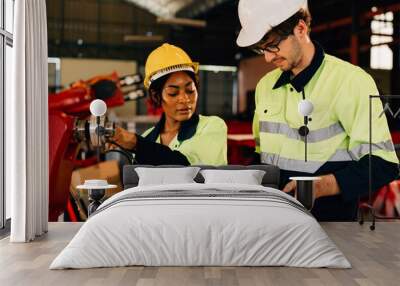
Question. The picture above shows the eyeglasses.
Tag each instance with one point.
(271, 48)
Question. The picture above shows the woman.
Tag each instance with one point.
(181, 136)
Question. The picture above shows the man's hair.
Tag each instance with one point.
(286, 28)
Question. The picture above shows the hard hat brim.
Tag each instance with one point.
(194, 67)
(249, 38)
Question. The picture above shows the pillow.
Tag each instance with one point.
(248, 177)
(162, 176)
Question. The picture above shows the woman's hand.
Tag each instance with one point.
(124, 138)
(325, 187)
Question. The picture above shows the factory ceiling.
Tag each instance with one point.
(93, 28)
(174, 8)
(162, 8)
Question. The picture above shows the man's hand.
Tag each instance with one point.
(325, 187)
(126, 139)
(290, 187)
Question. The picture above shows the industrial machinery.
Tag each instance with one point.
(72, 133)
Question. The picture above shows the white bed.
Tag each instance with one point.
(201, 225)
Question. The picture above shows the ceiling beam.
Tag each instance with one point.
(143, 38)
(182, 22)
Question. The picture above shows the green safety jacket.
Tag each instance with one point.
(200, 140)
(339, 130)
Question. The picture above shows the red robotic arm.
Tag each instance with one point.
(66, 109)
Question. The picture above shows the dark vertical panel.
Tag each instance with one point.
(98, 26)
(364, 58)
(355, 27)
(204, 93)
(5, 40)
(62, 28)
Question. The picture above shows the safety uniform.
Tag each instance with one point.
(339, 130)
(200, 140)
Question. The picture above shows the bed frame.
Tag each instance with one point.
(130, 178)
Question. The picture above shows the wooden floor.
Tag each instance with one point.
(375, 256)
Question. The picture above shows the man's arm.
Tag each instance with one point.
(353, 180)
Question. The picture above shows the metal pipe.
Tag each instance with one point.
(348, 20)
(366, 47)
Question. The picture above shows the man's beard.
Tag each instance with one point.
(294, 59)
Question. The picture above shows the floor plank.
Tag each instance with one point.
(374, 255)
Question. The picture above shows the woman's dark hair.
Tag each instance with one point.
(157, 86)
(286, 28)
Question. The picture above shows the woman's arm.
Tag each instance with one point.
(148, 152)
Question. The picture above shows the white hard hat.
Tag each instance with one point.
(258, 17)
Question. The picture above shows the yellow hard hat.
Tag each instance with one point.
(167, 59)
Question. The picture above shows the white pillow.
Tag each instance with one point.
(248, 177)
(163, 176)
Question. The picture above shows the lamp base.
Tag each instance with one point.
(95, 196)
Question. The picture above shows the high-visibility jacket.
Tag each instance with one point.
(339, 130)
(202, 139)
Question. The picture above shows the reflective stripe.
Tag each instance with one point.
(292, 133)
(290, 164)
(357, 152)
(340, 155)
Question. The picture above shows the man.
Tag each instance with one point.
(337, 131)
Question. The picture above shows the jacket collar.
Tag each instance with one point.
(301, 80)
(186, 131)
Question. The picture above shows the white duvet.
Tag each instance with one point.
(236, 228)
